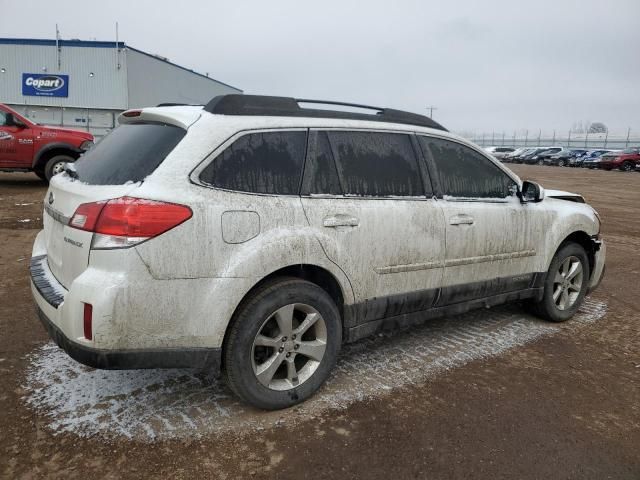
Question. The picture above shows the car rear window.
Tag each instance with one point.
(129, 153)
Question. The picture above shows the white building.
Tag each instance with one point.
(86, 84)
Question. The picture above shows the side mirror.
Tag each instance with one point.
(531, 192)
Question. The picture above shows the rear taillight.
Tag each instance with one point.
(127, 221)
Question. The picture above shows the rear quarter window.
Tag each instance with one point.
(129, 153)
(263, 162)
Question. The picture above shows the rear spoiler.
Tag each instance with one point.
(179, 116)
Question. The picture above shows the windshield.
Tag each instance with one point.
(129, 153)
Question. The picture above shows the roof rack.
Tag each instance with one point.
(171, 104)
(237, 104)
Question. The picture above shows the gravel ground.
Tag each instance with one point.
(490, 394)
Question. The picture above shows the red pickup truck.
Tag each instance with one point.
(626, 160)
(26, 146)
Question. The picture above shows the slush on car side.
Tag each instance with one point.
(255, 235)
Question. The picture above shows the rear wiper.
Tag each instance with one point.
(70, 169)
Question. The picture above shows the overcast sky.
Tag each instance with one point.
(486, 65)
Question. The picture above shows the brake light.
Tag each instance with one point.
(127, 221)
(132, 113)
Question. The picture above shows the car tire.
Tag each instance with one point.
(262, 363)
(561, 163)
(565, 285)
(55, 164)
(627, 166)
(540, 162)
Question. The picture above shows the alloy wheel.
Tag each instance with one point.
(567, 283)
(289, 347)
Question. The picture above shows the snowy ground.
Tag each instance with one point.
(159, 404)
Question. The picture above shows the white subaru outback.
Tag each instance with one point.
(255, 235)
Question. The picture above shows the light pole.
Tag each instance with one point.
(431, 108)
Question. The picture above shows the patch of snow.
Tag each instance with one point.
(155, 404)
(24, 220)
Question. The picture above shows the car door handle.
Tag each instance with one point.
(462, 219)
(340, 220)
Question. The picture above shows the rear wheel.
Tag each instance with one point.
(627, 166)
(561, 163)
(566, 284)
(55, 165)
(283, 343)
(540, 162)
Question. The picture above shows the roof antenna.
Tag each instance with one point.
(117, 49)
(58, 48)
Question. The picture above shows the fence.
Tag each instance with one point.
(582, 140)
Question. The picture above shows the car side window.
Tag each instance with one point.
(3, 119)
(465, 173)
(261, 162)
(376, 164)
(320, 174)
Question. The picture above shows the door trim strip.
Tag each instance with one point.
(454, 262)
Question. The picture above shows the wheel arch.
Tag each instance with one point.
(586, 241)
(51, 150)
(320, 276)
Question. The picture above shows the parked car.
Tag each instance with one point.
(258, 236)
(26, 146)
(592, 158)
(536, 157)
(509, 157)
(626, 160)
(526, 151)
(572, 161)
(563, 158)
(499, 152)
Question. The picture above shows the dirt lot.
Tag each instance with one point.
(494, 394)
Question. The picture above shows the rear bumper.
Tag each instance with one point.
(57, 313)
(205, 358)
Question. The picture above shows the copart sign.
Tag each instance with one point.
(45, 85)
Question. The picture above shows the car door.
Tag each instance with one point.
(491, 238)
(370, 204)
(16, 143)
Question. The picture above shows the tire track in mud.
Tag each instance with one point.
(161, 404)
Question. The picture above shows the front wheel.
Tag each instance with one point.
(566, 284)
(55, 165)
(561, 163)
(282, 344)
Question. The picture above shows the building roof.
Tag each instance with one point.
(100, 44)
